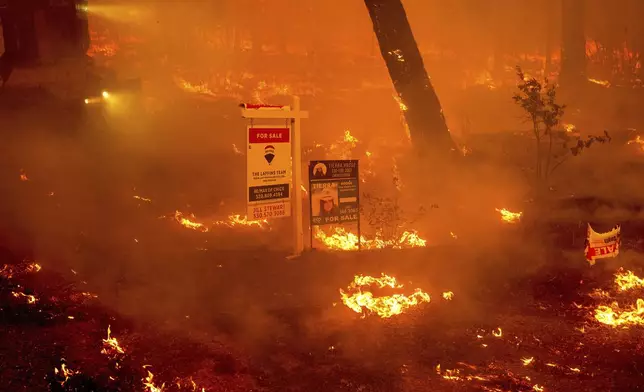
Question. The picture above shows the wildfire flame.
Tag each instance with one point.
(612, 314)
(190, 224)
(23, 175)
(232, 221)
(201, 88)
(65, 373)
(448, 295)
(340, 239)
(9, 271)
(509, 216)
(30, 298)
(238, 220)
(341, 149)
(362, 301)
(111, 345)
(627, 280)
(149, 384)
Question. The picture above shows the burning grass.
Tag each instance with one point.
(614, 315)
(340, 239)
(190, 222)
(360, 300)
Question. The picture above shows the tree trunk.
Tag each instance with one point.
(405, 64)
(9, 32)
(573, 45)
(547, 67)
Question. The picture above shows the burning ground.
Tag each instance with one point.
(436, 318)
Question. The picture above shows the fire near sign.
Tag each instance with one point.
(334, 192)
(269, 172)
(602, 245)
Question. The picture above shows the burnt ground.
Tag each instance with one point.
(196, 306)
(269, 324)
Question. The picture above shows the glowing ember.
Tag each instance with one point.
(30, 298)
(570, 128)
(23, 175)
(604, 83)
(638, 140)
(614, 316)
(527, 361)
(509, 216)
(401, 104)
(111, 345)
(340, 239)
(145, 199)
(628, 280)
(497, 332)
(448, 295)
(360, 300)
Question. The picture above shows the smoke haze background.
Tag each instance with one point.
(177, 150)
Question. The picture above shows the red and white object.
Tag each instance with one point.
(268, 162)
(602, 245)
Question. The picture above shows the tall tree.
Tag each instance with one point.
(573, 43)
(398, 47)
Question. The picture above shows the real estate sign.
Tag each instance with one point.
(269, 172)
(334, 192)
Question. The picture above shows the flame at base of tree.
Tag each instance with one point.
(360, 300)
(341, 239)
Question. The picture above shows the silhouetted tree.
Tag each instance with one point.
(573, 43)
(407, 71)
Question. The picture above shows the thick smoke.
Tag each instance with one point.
(77, 209)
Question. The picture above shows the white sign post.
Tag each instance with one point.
(265, 188)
